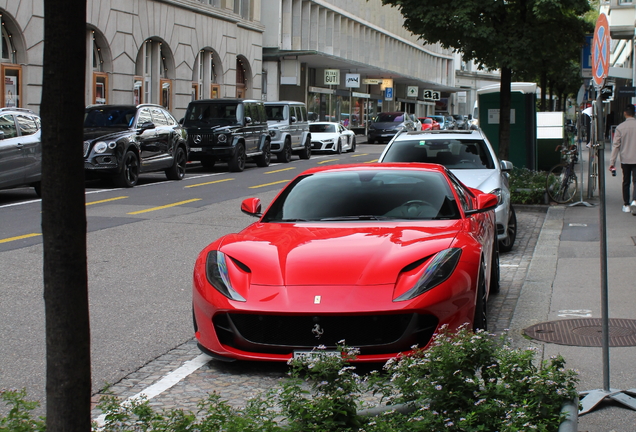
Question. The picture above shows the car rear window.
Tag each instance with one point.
(453, 154)
(365, 196)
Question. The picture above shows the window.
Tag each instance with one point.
(166, 93)
(138, 90)
(11, 82)
(144, 116)
(28, 126)
(8, 51)
(7, 126)
(154, 65)
(100, 83)
(159, 118)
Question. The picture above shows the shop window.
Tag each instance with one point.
(138, 90)
(215, 91)
(11, 85)
(166, 93)
(100, 88)
(241, 78)
(195, 91)
(206, 74)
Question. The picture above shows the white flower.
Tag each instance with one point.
(438, 387)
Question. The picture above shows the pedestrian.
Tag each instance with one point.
(625, 146)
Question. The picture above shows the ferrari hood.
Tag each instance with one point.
(329, 254)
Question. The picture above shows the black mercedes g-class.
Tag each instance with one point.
(228, 130)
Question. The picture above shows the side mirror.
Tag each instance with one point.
(292, 119)
(506, 166)
(251, 207)
(485, 202)
(144, 127)
(181, 120)
(248, 120)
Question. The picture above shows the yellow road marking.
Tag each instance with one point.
(371, 161)
(269, 184)
(164, 207)
(328, 160)
(10, 239)
(280, 170)
(208, 183)
(360, 154)
(106, 200)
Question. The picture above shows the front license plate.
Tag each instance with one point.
(195, 149)
(309, 355)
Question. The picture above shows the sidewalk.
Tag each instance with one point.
(564, 282)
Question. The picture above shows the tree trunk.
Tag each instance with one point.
(68, 369)
(504, 113)
(544, 90)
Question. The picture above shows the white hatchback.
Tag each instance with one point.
(469, 155)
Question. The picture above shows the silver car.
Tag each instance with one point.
(469, 156)
(20, 149)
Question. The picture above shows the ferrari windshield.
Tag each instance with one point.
(452, 153)
(365, 195)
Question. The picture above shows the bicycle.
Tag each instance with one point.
(561, 182)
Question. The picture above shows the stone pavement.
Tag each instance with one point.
(237, 382)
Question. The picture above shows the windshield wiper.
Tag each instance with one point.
(358, 217)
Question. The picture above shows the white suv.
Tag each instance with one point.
(288, 125)
(469, 156)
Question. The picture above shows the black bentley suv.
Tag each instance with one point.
(122, 141)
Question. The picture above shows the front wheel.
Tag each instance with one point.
(561, 184)
(285, 154)
(339, 147)
(178, 169)
(237, 163)
(494, 286)
(129, 175)
(506, 244)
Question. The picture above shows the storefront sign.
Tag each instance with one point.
(361, 95)
(411, 91)
(386, 83)
(332, 76)
(352, 80)
(431, 95)
(372, 81)
(321, 90)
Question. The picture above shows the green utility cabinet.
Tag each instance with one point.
(523, 123)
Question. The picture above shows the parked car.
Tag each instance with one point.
(381, 256)
(20, 149)
(387, 124)
(470, 156)
(288, 129)
(429, 124)
(332, 137)
(123, 141)
(462, 124)
(417, 123)
(443, 123)
(228, 130)
(451, 123)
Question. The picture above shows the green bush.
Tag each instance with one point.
(527, 186)
(465, 381)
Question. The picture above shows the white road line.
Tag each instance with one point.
(164, 383)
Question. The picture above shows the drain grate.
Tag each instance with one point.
(584, 332)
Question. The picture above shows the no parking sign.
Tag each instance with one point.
(600, 50)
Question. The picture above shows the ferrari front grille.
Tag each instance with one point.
(373, 334)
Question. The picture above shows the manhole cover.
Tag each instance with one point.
(584, 332)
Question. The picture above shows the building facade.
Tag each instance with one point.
(346, 59)
(145, 51)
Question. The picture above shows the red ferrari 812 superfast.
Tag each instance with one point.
(374, 256)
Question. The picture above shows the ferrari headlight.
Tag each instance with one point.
(100, 147)
(499, 194)
(217, 274)
(437, 271)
